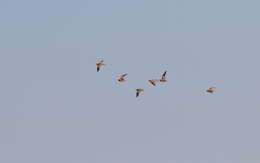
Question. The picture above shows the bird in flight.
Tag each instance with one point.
(153, 81)
(211, 90)
(138, 91)
(122, 78)
(100, 64)
(163, 78)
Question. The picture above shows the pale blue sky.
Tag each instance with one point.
(56, 108)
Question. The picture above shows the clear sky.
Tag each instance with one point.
(55, 107)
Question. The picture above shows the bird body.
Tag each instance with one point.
(99, 65)
(211, 90)
(122, 78)
(138, 91)
(153, 81)
(163, 78)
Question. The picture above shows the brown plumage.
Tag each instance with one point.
(163, 78)
(100, 64)
(153, 81)
(122, 78)
(211, 90)
(138, 91)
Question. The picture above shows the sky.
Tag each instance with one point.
(56, 108)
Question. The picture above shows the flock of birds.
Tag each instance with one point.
(163, 79)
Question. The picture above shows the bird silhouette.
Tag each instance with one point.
(153, 81)
(138, 91)
(211, 90)
(99, 65)
(163, 78)
(122, 78)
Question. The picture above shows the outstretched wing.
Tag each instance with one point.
(122, 76)
(164, 75)
(152, 82)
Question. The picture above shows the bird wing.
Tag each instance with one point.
(122, 76)
(137, 94)
(164, 75)
(152, 82)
